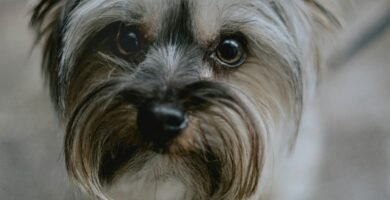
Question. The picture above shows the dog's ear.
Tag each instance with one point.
(45, 17)
(324, 13)
(47, 22)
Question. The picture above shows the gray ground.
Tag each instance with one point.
(354, 104)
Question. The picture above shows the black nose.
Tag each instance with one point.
(161, 122)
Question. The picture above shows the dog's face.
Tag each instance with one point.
(186, 91)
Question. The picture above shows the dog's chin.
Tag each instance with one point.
(155, 181)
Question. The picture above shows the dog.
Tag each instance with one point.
(180, 99)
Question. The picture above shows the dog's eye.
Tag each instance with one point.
(230, 52)
(128, 40)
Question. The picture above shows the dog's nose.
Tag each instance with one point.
(161, 122)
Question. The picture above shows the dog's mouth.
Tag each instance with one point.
(120, 158)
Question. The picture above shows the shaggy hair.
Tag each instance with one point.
(239, 117)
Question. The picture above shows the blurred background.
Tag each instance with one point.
(352, 156)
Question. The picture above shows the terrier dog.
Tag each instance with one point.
(179, 99)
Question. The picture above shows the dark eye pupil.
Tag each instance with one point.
(230, 52)
(229, 49)
(128, 40)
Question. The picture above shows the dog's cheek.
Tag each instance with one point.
(84, 78)
(267, 86)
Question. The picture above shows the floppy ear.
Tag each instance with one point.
(47, 22)
(45, 15)
(324, 13)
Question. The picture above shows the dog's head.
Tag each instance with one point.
(192, 91)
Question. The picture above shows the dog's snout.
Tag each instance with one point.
(161, 122)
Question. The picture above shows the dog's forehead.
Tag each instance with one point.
(207, 16)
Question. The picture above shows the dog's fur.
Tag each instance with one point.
(239, 119)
